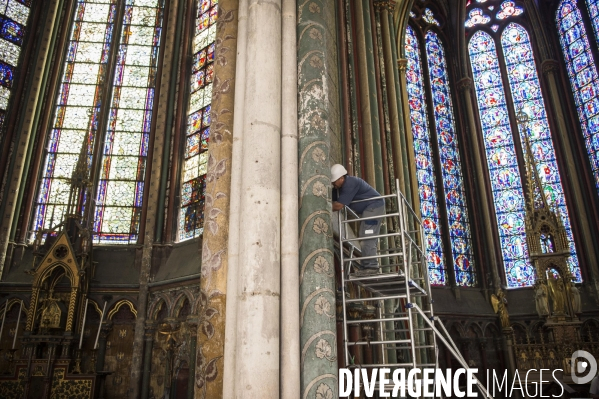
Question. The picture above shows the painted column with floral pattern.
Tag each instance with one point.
(319, 147)
(213, 284)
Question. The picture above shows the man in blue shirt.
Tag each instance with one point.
(348, 189)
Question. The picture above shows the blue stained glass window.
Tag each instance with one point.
(429, 206)
(430, 18)
(508, 9)
(476, 17)
(13, 22)
(501, 159)
(120, 191)
(195, 164)
(583, 74)
(453, 182)
(77, 107)
(526, 93)
(593, 6)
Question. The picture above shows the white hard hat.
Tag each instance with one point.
(337, 171)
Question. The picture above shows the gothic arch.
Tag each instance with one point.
(117, 306)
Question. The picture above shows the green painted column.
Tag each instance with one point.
(319, 125)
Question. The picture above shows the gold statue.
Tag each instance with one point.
(556, 288)
(499, 302)
(50, 312)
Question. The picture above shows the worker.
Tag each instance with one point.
(348, 189)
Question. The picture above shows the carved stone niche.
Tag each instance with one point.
(55, 291)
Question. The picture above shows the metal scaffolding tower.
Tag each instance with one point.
(399, 292)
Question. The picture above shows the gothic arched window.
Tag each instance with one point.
(13, 24)
(195, 161)
(505, 87)
(439, 171)
(118, 114)
(582, 70)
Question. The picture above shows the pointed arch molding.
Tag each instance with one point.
(118, 306)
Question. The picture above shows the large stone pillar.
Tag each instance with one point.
(234, 205)
(209, 358)
(259, 283)
(318, 126)
(290, 323)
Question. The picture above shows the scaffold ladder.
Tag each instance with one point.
(402, 328)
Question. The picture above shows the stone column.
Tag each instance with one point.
(147, 367)
(508, 344)
(234, 206)
(32, 101)
(387, 35)
(472, 136)
(290, 323)
(368, 105)
(161, 101)
(213, 284)
(405, 170)
(168, 367)
(259, 283)
(318, 126)
(578, 207)
(192, 323)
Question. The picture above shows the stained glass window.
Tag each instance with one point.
(427, 188)
(78, 114)
(501, 159)
(526, 93)
(593, 6)
(508, 9)
(120, 191)
(430, 18)
(583, 75)
(191, 213)
(77, 106)
(453, 182)
(13, 23)
(521, 74)
(476, 17)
